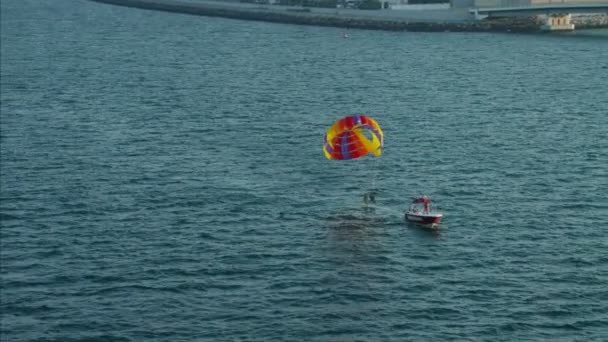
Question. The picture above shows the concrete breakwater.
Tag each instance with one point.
(590, 21)
(390, 20)
(305, 16)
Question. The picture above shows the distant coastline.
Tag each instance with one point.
(391, 20)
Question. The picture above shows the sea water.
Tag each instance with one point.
(162, 179)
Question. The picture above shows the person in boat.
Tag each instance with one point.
(414, 209)
(426, 207)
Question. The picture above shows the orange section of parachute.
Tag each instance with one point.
(353, 137)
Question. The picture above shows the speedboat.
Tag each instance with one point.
(422, 212)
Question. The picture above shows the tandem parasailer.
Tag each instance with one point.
(353, 137)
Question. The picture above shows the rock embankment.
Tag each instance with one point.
(590, 21)
(390, 20)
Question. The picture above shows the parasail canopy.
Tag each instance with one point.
(353, 137)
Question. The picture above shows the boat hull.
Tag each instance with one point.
(424, 219)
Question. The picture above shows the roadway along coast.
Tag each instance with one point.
(438, 20)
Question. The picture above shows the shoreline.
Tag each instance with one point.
(439, 20)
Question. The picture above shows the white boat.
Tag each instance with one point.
(421, 211)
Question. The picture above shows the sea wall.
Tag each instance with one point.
(390, 20)
(590, 21)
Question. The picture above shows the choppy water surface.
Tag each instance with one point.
(162, 179)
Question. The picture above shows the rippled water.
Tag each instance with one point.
(162, 179)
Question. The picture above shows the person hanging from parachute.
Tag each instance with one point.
(353, 137)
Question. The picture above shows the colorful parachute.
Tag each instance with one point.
(353, 137)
